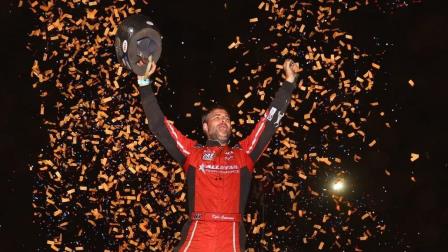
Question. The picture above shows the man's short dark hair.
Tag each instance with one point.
(210, 109)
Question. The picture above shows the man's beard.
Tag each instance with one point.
(221, 138)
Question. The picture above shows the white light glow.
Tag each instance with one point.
(338, 184)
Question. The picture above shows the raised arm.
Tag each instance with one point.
(259, 138)
(177, 145)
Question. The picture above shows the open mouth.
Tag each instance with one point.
(222, 127)
(142, 62)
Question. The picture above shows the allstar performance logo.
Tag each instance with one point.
(210, 168)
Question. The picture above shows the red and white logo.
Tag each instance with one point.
(211, 168)
(228, 155)
(208, 156)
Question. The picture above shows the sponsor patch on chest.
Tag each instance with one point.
(228, 155)
(215, 168)
(208, 156)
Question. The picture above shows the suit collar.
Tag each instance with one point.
(213, 143)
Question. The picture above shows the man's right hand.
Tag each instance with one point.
(150, 69)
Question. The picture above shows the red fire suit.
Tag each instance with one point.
(218, 177)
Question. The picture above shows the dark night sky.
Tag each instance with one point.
(419, 52)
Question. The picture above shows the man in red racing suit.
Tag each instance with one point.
(218, 176)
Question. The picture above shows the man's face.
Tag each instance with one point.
(217, 126)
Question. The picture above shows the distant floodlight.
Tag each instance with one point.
(338, 184)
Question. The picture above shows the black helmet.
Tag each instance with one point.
(137, 38)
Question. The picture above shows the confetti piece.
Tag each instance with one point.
(321, 245)
(253, 20)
